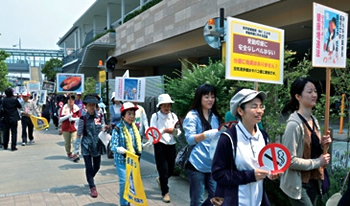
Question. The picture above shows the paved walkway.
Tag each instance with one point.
(41, 174)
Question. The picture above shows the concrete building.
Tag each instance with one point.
(153, 42)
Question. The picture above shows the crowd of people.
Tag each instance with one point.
(232, 176)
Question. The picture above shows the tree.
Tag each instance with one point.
(50, 68)
(3, 71)
(90, 85)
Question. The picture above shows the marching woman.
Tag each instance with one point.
(69, 114)
(165, 150)
(302, 137)
(125, 137)
(201, 127)
(90, 125)
(235, 164)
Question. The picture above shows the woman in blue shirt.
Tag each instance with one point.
(125, 137)
(201, 127)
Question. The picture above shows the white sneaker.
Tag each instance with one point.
(31, 142)
(23, 144)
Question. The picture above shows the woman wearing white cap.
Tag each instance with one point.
(235, 165)
(165, 150)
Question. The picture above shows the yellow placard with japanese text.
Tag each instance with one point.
(134, 191)
(254, 52)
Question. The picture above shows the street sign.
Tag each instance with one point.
(275, 157)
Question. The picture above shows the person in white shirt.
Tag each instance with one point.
(141, 120)
(165, 150)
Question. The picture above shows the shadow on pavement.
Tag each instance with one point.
(108, 172)
(56, 157)
(100, 204)
(71, 166)
(153, 194)
(72, 189)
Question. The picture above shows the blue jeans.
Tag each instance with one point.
(309, 194)
(121, 171)
(198, 183)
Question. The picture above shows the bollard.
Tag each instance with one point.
(341, 122)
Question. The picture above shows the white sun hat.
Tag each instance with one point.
(163, 99)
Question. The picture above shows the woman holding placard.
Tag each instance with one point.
(301, 181)
(235, 164)
(165, 150)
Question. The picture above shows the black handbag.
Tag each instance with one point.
(109, 152)
(183, 156)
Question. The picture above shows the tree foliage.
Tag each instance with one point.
(90, 85)
(49, 68)
(3, 71)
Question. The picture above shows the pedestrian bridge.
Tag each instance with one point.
(29, 61)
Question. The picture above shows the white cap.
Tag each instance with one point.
(113, 95)
(163, 99)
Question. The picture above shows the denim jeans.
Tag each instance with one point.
(121, 170)
(92, 165)
(198, 183)
(309, 193)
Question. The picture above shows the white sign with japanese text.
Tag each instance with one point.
(330, 28)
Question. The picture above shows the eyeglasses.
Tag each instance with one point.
(255, 107)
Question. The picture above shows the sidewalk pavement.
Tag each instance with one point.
(42, 174)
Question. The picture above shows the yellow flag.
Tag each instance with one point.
(39, 123)
(134, 191)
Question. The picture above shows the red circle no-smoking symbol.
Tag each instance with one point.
(154, 133)
(276, 157)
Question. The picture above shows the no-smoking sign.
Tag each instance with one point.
(154, 133)
(275, 157)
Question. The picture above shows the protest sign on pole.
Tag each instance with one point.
(254, 52)
(329, 46)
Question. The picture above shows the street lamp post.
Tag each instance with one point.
(19, 44)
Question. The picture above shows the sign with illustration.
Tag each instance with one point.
(70, 82)
(49, 86)
(130, 89)
(329, 36)
(42, 97)
(274, 157)
(33, 86)
(19, 89)
(254, 52)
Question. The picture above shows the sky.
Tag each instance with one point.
(38, 24)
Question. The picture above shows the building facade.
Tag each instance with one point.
(155, 40)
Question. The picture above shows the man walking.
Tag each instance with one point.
(28, 108)
(11, 117)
